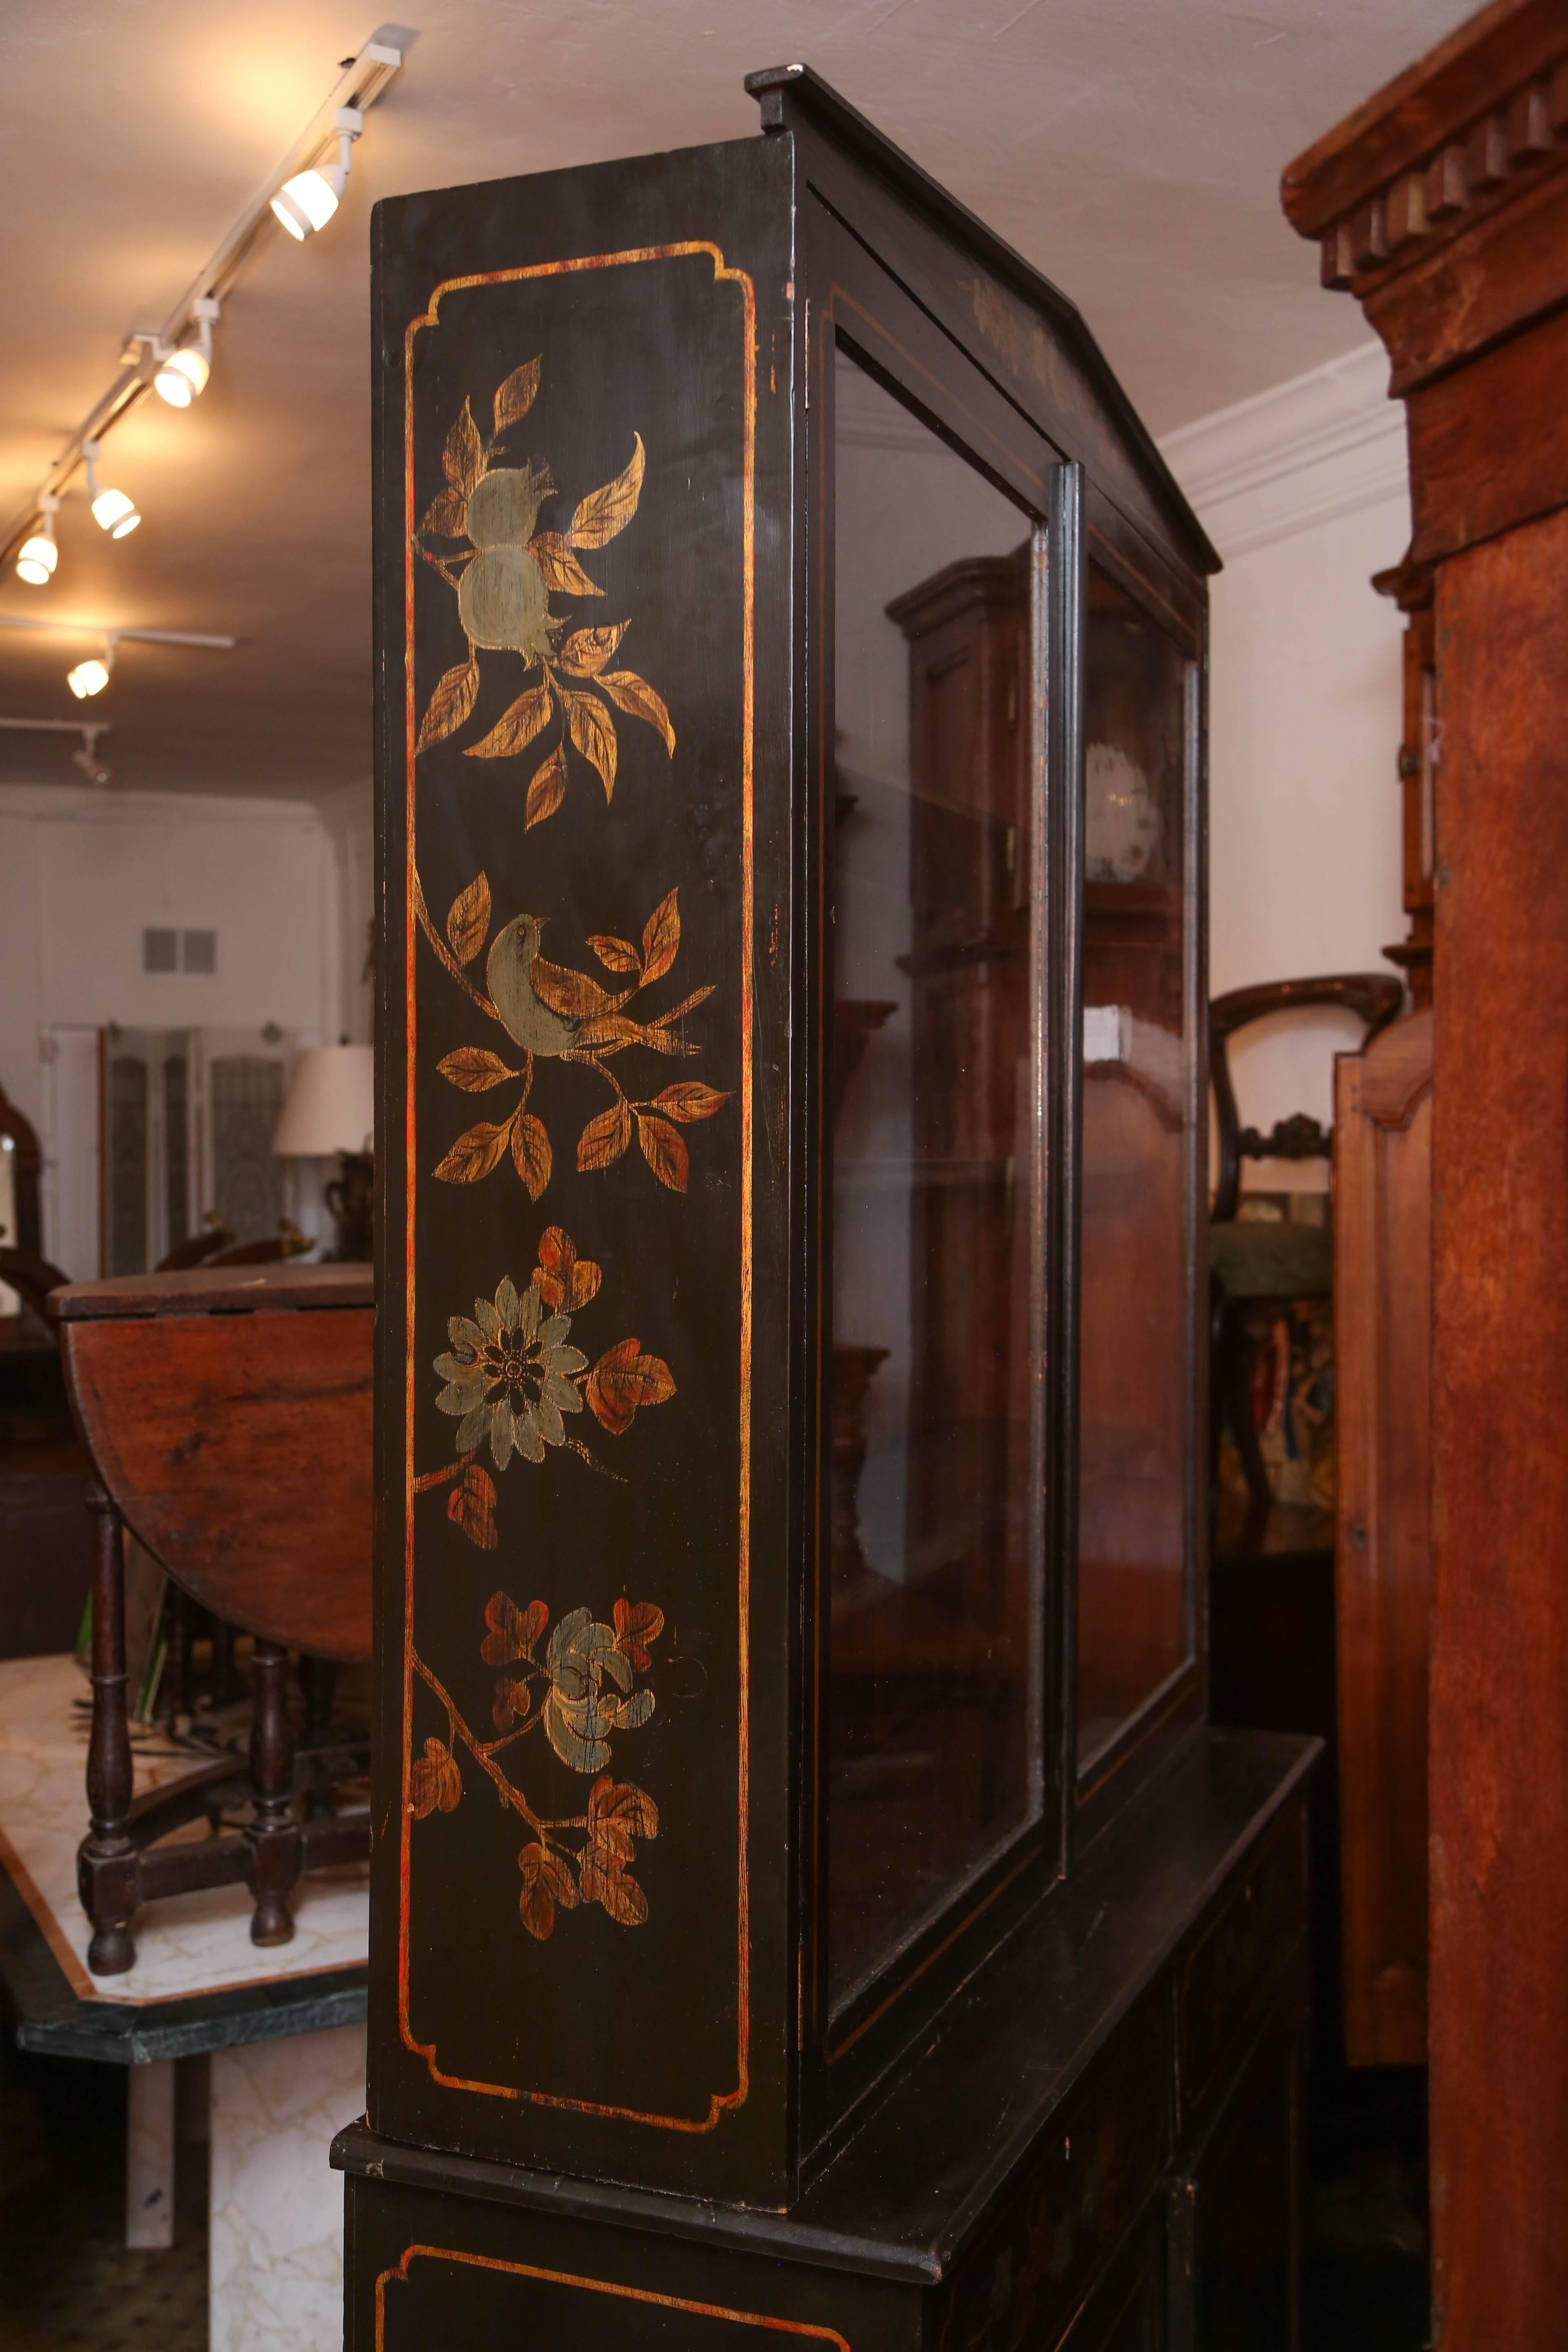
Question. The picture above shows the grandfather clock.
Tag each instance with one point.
(1442, 204)
(809, 1901)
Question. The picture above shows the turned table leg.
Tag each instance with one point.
(176, 1653)
(318, 1683)
(223, 1683)
(107, 1864)
(273, 1834)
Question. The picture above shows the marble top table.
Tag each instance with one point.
(286, 2026)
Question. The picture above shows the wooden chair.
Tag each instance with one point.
(1250, 1261)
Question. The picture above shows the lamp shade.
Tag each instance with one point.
(330, 1103)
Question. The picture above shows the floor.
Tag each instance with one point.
(67, 2278)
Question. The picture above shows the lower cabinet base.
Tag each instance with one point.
(1148, 2199)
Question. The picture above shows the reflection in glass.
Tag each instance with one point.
(1134, 1377)
(934, 1704)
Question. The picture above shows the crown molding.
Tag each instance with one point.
(1323, 445)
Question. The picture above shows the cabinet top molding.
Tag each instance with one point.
(1474, 126)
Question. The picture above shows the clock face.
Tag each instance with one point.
(1121, 821)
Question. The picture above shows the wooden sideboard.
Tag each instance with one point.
(1441, 204)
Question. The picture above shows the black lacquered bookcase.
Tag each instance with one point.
(808, 1897)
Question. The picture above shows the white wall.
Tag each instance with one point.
(83, 873)
(1304, 492)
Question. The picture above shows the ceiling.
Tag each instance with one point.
(1131, 149)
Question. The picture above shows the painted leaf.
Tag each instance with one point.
(546, 790)
(515, 730)
(559, 567)
(637, 1623)
(606, 511)
(604, 1139)
(474, 1154)
(664, 1150)
(634, 695)
(623, 1802)
(474, 1069)
(575, 994)
(563, 1278)
(530, 1152)
(546, 1881)
(586, 651)
(434, 1780)
(594, 733)
(514, 397)
(661, 939)
(512, 1631)
(623, 1379)
(607, 1883)
(469, 920)
(512, 1701)
(471, 1506)
(446, 516)
(450, 703)
(616, 955)
(463, 459)
(688, 1100)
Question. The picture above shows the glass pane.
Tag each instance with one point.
(934, 1704)
(1135, 1378)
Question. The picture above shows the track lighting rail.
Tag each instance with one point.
(359, 86)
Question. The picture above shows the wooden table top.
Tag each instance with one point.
(214, 1290)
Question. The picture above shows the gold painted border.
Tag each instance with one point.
(718, 2100)
(803, 2328)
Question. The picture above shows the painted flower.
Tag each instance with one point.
(509, 1375)
(579, 1712)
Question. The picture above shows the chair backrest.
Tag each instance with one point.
(1375, 996)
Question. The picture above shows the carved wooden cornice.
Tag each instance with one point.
(1442, 203)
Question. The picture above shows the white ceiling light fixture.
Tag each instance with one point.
(39, 554)
(86, 754)
(307, 201)
(90, 676)
(183, 369)
(111, 510)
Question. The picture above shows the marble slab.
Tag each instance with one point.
(276, 2261)
(186, 1944)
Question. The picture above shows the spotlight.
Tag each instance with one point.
(36, 562)
(111, 509)
(87, 758)
(309, 200)
(90, 676)
(183, 373)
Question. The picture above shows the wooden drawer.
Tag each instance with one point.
(1224, 1980)
(1040, 2256)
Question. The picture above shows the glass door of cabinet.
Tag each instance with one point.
(935, 1100)
(1136, 1306)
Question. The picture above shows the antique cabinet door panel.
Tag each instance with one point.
(584, 450)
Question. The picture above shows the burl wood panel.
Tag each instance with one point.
(1383, 1335)
(237, 1447)
(1499, 1773)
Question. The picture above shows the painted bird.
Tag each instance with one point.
(546, 1006)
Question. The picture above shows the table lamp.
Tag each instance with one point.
(330, 1110)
